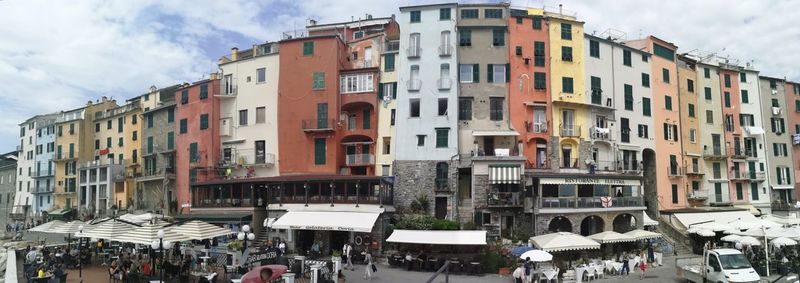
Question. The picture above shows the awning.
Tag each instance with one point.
(504, 174)
(608, 237)
(782, 187)
(726, 217)
(60, 211)
(218, 218)
(754, 130)
(494, 133)
(643, 235)
(589, 181)
(438, 237)
(563, 241)
(327, 221)
(648, 221)
(752, 209)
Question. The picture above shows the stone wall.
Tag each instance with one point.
(413, 179)
(542, 221)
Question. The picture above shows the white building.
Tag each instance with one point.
(26, 166)
(750, 118)
(249, 111)
(711, 134)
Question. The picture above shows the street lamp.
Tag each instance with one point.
(244, 236)
(80, 252)
(161, 245)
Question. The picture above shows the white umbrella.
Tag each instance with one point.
(611, 237)
(537, 256)
(69, 227)
(640, 234)
(106, 229)
(713, 226)
(199, 230)
(563, 241)
(749, 241)
(705, 233)
(140, 218)
(732, 231)
(731, 238)
(692, 230)
(149, 233)
(781, 241)
(47, 227)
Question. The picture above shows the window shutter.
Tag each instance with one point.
(666, 132)
(489, 73)
(508, 72)
(476, 73)
(478, 218)
(394, 90)
(675, 132)
(458, 73)
(380, 91)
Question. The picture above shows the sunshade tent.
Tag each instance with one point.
(47, 227)
(781, 220)
(107, 229)
(749, 241)
(140, 218)
(648, 221)
(199, 230)
(713, 226)
(731, 238)
(705, 233)
(781, 241)
(462, 237)
(69, 228)
(148, 233)
(564, 241)
(611, 237)
(537, 256)
(640, 234)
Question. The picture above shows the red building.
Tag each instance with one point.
(198, 150)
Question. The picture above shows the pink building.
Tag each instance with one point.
(196, 117)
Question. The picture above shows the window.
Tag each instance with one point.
(566, 53)
(493, 13)
(646, 107)
(566, 31)
(691, 110)
(358, 35)
(469, 13)
(773, 84)
(308, 48)
(739, 193)
(674, 194)
(690, 85)
(261, 115)
(518, 50)
(420, 140)
(135, 135)
(387, 145)
(780, 149)
(414, 111)
(108, 142)
(170, 140)
(184, 126)
(464, 109)
(743, 77)
(670, 132)
(261, 75)
(366, 119)
(775, 103)
(594, 48)
(149, 117)
(203, 91)
(645, 80)
(243, 117)
(498, 37)
(663, 52)
(468, 73)
(392, 118)
(626, 58)
(665, 74)
(643, 131)
(496, 108)
(727, 97)
(416, 16)
(441, 137)
(464, 37)
(444, 14)
(519, 20)
(149, 145)
(203, 121)
(319, 151)
(692, 135)
(628, 97)
(109, 125)
(566, 85)
(539, 80)
(538, 54)
(184, 96)
(644, 58)
(171, 115)
(745, 96)
(134, 119)
(354, 83)
(706, 73)
(668, 102)
(388, 66)
(709, 116)
(537, 23)
(707, 91)
(727, 78)
(319, 78)
(746, 120)
(497, 73)
(442, 107)
(729, 122)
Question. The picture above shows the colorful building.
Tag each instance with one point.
(792, 96)
(778, 142)
(690, 122)
(155, 185)
(752, 139)
(26, 166)
(8, 185)
(43, 170)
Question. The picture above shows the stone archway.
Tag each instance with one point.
(560, 224)
(592, 224)
(623, 223)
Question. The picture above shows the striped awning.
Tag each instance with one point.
(148, 233)
(199, 230)
(504, 174)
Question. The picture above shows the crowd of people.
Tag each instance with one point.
(47, 264)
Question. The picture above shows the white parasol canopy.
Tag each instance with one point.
(106, 229)
(781, 241)
(70, 228)
(731, 238)
(199, 230)
(692, 230)
(757, 223)
(705, 233)
(640, 234)
(537, 256)
(713, 226)
(47, 227)
(140, 218)
(749, 241)
(149, 233)
(611, 237)
(563, 241)
(782, 220)
(648, 221)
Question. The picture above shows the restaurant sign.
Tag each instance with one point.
(321, 228)
(269, 256)
(590, 181)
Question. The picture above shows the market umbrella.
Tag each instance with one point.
(537, 256)
(199, 230)
(69, 228)
(107, 229)
(781, 220)
(611, 237)
(781, 241)
(692, 230)
(640, 234)
(564, 241)
(731, 238)
(749, 241)
(141, 218)
(713, 226)
(732, 231)
(705, 233)
(520, 250)
(47, 227)
(148, 233)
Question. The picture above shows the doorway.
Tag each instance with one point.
(464, 184)
(441, 207)
(488, 146)
(305, 239)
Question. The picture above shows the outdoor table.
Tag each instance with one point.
(579, 274)
(617, 267)
(475, 267)
(550, 274)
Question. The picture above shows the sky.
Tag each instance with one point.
(57, 55)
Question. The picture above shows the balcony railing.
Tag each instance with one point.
(227, 90)
(700, 195)
(589, 202)
(444, 83)
(603, 134)
(359, 160)
(247, 157)
(505, 199)
(390, 46)
(318, 125)
(755, 175)
(570, 130)
(413, 52)
(780, 205)
(737, 175)
(570, 163)
(363, 63)
(738, 153)
(65, 156)
(445, 50)
(441, 185)
(714, 152)
(43, 173)
(694, 170)
(537, 127)
(414, 85)
(676, 171)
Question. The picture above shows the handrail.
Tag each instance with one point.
(446, 269)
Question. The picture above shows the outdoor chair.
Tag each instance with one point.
(600, 271)
(590, 273)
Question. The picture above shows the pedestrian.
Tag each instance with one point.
(626, 269)
(368, 270)
(347, 251)
(527, 267)
(642, 267)
(519, 273)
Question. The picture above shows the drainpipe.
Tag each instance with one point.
(456, 202)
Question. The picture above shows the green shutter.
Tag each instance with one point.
(380, 91)
(476, 73)
(394, 90)
(149, 144)
(319, 151)
(389, 62)
(508, 72)
(366, 119)
(745, 96)
(170, 140)
(489, 73)
(646, 106)
(193, 156)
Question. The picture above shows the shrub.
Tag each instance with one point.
(492, 261)
(426, 222)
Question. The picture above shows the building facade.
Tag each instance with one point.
(778, 142)
(793, 102)
(8, 186)
(154, 189)
(752, 140)
(44, 169)
(26, 167)
(694, 168)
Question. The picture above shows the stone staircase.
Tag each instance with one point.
(466, 211)
(679, 240)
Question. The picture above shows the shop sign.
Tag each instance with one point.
(270, 255)
(590, 181)
(321, 228)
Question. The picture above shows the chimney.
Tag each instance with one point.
(234, 54)
(213, 76)
(104, 99)
(311, 22)
(89, 103)
(561, 9)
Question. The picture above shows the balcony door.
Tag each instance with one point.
(441, 207)
(568, 120)
(566, 156)
(717, 144)
(539, 120)
(488, 146)
(260, 152)
(322, 115)
(368, 57)
(228, 84)
(350, 150)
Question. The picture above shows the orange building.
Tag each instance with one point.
(729, 86)
(528, 90)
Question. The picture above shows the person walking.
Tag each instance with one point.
(347, 251)
(642, 267)
(519, 273)
(626, 269)
(527, 268)
(368, 269)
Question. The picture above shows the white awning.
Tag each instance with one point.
(504, 174)
(782, 187)
(494, 133)
(754, 130)
(752, 209)
(563, 241)
(726, 217)
(589, 181)
(648, 221)
(438, 237)
(327, 221)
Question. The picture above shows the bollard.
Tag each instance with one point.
(288, 277)
(315, 273)
(337, 266)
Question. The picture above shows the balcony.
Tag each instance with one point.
(755, 175)
(738, 153)
(444, 83)
(43, 173)
(319, 125)
(504, 199)
(413, 52)
(441, 186)
(714, 153)
(413, 85)
(700, 195)
(539, 127)
(154, 174)
(65, 156)
(600, 100)
(601, 134)
(390, 46)
(694, 171)
(737, 175)
(569, 163)
(782, 206)
(43, 190)
(588, 202)
(356, 99)
(227, 91)
(359, 160)
(366, 190)
(247, 157)
(570, 131)
(676, 171)
(445, 50)
(363, 64)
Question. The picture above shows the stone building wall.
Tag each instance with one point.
(542, 221)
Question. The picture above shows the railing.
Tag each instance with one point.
(444, 83)
(444, 269)
(714, 152)
(43, 173)
(224, 202)
(318, 124)
(606, 165)
(537, 165)
(228, 90)
(63, 156)
(604, 134)
(676, 171)
(359, 159)
(589, 202)
(597, 98)
(247, 157)
(700, 195)
(504, 199)
(694, 170)
(413, 52)
(441, 185)
(755, 175)
(390, 46)
(363, 63)
(414, 85)
(570, 130)
(571, 163)
(738, 153)
(779, 205)
(445, 50)
(537, 127)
